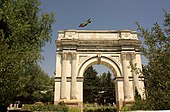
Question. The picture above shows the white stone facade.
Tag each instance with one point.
(79, 49)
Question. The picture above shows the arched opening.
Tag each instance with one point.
(109, 63)
(99, 85)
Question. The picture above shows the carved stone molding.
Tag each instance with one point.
(125, 35)
(70, 34)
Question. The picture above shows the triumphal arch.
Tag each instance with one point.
(79, 49)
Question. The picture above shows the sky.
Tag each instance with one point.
(105, 14)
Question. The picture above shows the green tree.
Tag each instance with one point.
(110, 88)
(48, 96)
(156, 49)
(107, 88)
(38, 86)
(23, 33)
(90, 85)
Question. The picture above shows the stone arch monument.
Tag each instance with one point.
(79, 49)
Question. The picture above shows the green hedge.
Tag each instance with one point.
(74, 109)
(99, 109)
(137, 105)
(126, 108)
(63, 108)
(42, 107)
(50, 107)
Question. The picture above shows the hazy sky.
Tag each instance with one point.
(105, 14)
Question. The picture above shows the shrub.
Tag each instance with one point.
(139, 105)
(42, 107)
(74, 109)
(100, 109)
(126, 108)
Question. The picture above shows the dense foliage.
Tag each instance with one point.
(98, 89)
(43, 107)
(90, 85)
(100, 109)
(38, 86)
(106, 89)
(156, 49)
(23, 33)
(50, 107)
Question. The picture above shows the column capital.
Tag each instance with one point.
(133, 55)
(124, 55)
(74, 55)
(64, 55)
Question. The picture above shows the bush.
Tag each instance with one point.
(42, 107)
(126, 108)
(139, 105)
(74, 109)
(100, 109)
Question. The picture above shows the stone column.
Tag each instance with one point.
(63, 76)
(141, 88)
(73, 75)
(119, 92)
(125, 65)
(134, 72)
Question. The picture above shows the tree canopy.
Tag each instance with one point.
(38, 86)
(90, 85)
(156, 49)
(24, 30)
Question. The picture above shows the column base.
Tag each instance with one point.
(70, 103)
(73, 98)
(128, 100)
(127, 103)
(75, 103)
(62, 100)
(119, 105)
